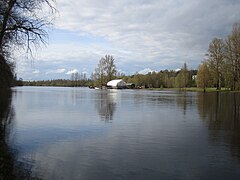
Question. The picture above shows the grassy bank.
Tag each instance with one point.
(192, 89)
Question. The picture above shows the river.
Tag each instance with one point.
(80, 133)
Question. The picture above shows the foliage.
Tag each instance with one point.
(60, 82)
(232, 58)
(216, 61)
(183, 78)
(164, 79)
(223, 61)
(203, 76)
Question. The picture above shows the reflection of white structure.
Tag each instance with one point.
(116, 84)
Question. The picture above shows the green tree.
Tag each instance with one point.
(182, 78)
(185, 75)
(203, 76)
(179, 80)
(215, 61)
(232, 55)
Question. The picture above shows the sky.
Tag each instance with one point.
(142, 35)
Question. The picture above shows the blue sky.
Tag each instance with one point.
(142, 35)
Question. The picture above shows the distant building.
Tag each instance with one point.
(116, 84)
(130, 85)
(194, 77)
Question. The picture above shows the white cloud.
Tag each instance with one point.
(36, 72)
(60, 70)
(145, 71)
(152, 29)
(156, 34)
(56, 71)
(72, 71)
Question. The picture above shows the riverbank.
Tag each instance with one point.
(193, 89)
(190, 89)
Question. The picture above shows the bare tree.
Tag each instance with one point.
(110, 67)
(100, 72)
(22, 24)
(105, 70)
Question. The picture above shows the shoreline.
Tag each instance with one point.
(188, 89)
(192, 89)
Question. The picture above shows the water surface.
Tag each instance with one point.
(78, 133)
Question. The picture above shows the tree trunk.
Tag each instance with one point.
(5, 20)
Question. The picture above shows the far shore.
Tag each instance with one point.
(193, 89)
(189, 89)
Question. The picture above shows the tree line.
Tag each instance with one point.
(21, 26)
(221, 68)
(59, 82)
(106, 70)
(182, 78)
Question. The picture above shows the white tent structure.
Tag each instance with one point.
(116, 84)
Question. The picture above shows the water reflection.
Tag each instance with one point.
(10, 167)
(6, 156)
(185, 100)
(106, 101)
(154, 135)
(173, 99)
(7, 166)
(221, 111)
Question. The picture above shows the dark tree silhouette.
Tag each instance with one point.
(22, 25)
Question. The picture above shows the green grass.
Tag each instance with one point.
(192, 89)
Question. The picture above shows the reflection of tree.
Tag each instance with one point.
(182, 101)
(222, 112)
(220, 109)
(9, 169)
(185, 100)
(105, 104)
(6, 158)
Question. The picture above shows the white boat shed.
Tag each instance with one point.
(116, 84)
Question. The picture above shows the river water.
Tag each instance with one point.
(80, 133)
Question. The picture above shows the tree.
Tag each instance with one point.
(110, 67)
(185, 75)
(6, 72)
(105, 70)
(182, 78)
(22, 25)
(216, 60)
(179, 80)
(203, 77)
(232, 55)
(99, 73)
